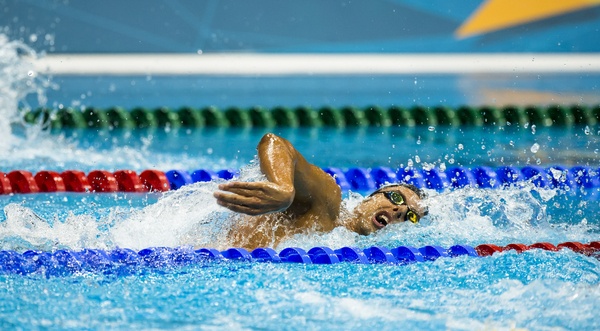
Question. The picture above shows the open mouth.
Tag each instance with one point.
(381, 220)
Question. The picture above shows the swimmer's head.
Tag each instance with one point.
(389, 204)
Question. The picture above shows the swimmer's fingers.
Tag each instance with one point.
(267, 191)
(247, 205)
(240, 208)
(244, 188)
(238, 199)
(256, 191)
(258, 202)
(262, 197)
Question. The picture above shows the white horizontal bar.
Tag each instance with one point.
(314, 64)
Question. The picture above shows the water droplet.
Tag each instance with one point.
(431, 128)
(535, 148)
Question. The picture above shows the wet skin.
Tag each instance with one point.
(299, 197)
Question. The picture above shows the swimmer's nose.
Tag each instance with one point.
(397, 213)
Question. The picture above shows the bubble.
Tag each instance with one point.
(587, 131)
(535, 148)
(199, 52)
(428, 166)
(30, 73)
(409, 163)
(417, 159)
(431, 128)
(461, 147)
(33, 38)
(512, 143)
(533, 127)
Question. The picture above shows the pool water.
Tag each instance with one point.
(534, 290)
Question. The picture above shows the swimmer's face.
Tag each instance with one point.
(387, 206)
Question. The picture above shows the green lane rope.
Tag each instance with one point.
(302, 116)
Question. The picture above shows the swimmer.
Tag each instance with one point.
(298, 197)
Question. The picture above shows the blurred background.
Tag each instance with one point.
(447, 31)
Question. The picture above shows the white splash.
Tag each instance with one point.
(24, 229)
(190, 216)
(17, 80)
(187, 216)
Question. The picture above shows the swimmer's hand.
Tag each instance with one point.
(255, 198)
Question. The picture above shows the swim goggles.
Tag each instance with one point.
(397, 199)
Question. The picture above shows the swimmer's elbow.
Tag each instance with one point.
(271, 141)
(271, 138)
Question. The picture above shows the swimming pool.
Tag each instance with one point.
(537, 289)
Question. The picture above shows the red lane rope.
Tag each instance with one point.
(587, 249)
(21, 181)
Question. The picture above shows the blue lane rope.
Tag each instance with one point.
(363, 179)
(123, 261)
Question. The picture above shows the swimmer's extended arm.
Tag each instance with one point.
(293, 185)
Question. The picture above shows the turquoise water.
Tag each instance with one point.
(535, 290)
(503, 292)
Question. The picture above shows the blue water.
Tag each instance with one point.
(496, 293)
(220, 148)
(535, 290)
(318, 91)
